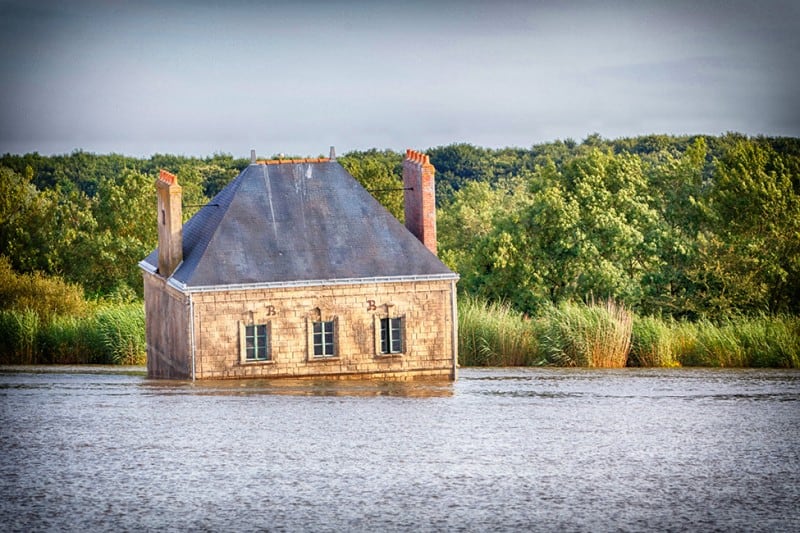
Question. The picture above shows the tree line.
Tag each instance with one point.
(692, 227)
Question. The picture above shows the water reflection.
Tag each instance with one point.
(304, 387)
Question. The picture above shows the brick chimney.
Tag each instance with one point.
(170, 223)
(420, 197)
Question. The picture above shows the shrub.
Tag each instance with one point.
(46, 296)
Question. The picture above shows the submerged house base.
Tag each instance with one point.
(207, 337)
(294, 270)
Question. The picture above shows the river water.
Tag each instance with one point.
(499, 450)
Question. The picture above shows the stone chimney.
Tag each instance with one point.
(170, 223)
(420, 197)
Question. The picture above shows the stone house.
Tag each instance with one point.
(294, 269)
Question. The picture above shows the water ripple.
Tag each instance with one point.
(498, 450)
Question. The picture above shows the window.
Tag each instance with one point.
(323, 339)
(256, 343)
(391, 335)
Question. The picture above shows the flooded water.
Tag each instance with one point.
(499, 450)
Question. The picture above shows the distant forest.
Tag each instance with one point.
(687, 227)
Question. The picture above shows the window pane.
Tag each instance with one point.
(391, 335)
(384, 335)
(397, 345)
(323, 339)
(317, 340)
(250, 343)
(256, 343)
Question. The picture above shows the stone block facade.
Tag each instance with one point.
(168, 331)
(205, 332)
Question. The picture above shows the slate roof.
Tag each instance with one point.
(298, 222)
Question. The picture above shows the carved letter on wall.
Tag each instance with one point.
(371, 305)
(271, 310)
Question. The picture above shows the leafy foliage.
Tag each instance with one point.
(688, 227)
(40, 295)
(381, 173)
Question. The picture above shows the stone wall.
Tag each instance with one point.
(167, 330)
(426, 309)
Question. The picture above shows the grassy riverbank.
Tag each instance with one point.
(604, 335)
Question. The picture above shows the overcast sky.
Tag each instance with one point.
(195, 78)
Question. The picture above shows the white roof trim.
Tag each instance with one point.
(147, 267)
(172, 282)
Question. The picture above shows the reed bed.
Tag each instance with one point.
(653, 343)
(605, 334)
(109, 334)
(493, 334)
(596, 335)
(761, 341)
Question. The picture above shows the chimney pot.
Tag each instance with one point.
(332, 155)
(252, 157)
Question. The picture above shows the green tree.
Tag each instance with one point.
(104, 253)
(749, 251)
(677, 186)
(381, 173)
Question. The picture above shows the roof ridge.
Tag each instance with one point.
(293, 161)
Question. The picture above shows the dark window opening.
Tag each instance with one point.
(391, 335)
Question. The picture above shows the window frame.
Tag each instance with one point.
(243, 338)
(316, 317)
(391, 335)
(386, 318)
(324, 339)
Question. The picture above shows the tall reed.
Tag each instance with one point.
(18, 330)
(741, 342)
(653, 343)
(493, 334)
(595, 335)
(111, 334)
(121, 332)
